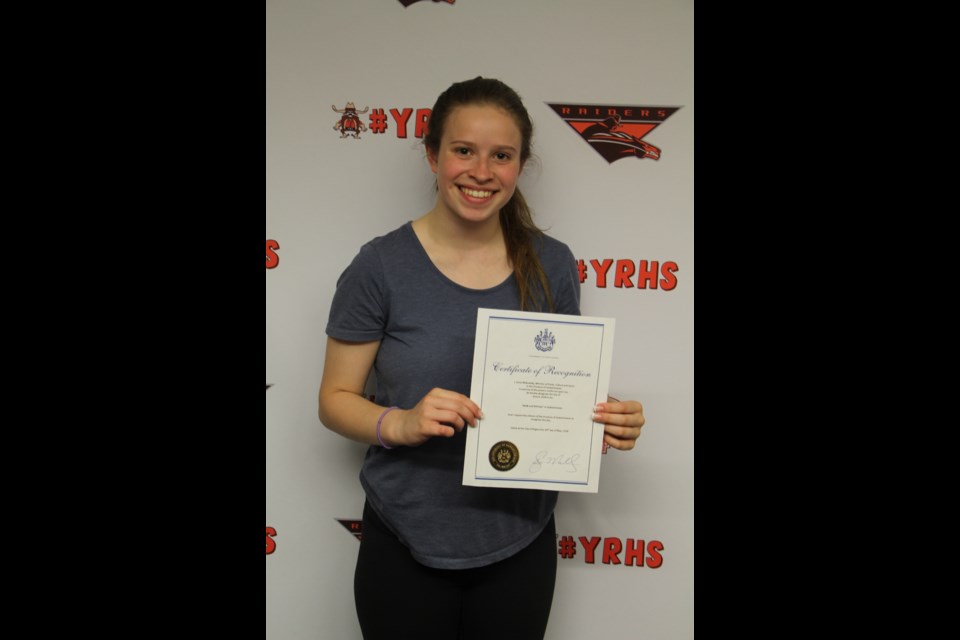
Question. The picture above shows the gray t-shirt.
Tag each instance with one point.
(426, 323)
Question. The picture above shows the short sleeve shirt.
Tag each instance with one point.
(426, 324)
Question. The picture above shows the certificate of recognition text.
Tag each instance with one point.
(537, 377)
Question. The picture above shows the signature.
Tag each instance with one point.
(544, 457)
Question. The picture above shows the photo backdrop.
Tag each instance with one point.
(609, 85)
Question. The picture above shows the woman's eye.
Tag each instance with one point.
(462, 151)
(503, 156)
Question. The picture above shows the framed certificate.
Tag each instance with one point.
(537, 377)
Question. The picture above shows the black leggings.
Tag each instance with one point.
(397, 597)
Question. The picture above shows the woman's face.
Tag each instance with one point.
(478, 162)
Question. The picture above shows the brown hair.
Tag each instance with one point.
(516, 219)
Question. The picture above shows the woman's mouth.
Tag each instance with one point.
(476, 193)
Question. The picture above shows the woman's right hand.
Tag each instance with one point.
(440, 413)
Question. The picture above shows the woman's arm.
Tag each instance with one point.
(343, 408)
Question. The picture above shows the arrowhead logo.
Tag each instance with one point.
(615, 131)
(355, 527)
(407, 3)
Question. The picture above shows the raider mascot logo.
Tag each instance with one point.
(615, 131)
(349, 123)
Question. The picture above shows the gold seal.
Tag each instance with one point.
(504, 456)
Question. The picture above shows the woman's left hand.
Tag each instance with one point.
(622, 421)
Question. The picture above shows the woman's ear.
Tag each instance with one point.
(432, 159)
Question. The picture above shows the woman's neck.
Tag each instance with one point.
(472, 255)
(447, 230)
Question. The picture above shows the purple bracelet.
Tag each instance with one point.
(379, 423)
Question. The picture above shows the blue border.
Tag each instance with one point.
(603, 336)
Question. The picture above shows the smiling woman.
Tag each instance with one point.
(478, 141)
(437, 557)
(477, 164)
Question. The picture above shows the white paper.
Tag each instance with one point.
(537, 377)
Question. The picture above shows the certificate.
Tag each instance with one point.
(537, 377)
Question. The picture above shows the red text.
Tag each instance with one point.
(627, 274)
(271, 544)
(402, 119)
(632, 551)
(272, 258)
(612, 111)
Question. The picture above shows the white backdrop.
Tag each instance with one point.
(326, 195)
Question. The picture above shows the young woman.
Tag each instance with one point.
(439, 559)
